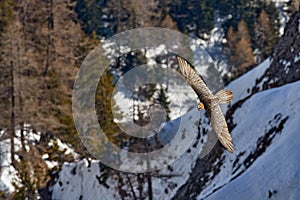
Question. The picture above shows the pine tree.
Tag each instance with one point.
(94, 17)
(144, 13)
(104, 103)
(162, 99)
(193, 17)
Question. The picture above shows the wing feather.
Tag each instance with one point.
(218, 121)
(219, 125)
(193, 79)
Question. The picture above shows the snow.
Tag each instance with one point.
(297, 58)
(63, 147)
(242, 86)
(282, 8)
(179, 97)
(153, 52)
(84, 182)
(274, 172)
(84, 185)
(182, 168)
(8, 174)
(277, 169)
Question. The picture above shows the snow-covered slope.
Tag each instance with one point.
(266, 162)
(264, 121)
(83, 180)
(243, 86)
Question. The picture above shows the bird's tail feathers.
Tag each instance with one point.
(225, 96)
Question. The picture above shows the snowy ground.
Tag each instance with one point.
(8, 174)
(242, 86)
(265, 163)
(276, 170)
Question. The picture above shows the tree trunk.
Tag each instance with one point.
(131, 188)
(21, 123)
(12, 116)
(49, 42)
(150, 192)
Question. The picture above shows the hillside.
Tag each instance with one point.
(264, 163)
(270, 119)
(264, 124)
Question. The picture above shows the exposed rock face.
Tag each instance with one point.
(285, 66)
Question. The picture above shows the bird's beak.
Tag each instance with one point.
(200, 106)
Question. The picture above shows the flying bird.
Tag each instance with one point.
(210, 102)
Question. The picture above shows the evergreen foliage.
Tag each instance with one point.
(163, 100)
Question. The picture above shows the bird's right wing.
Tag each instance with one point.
(220, 127)
(193, 78)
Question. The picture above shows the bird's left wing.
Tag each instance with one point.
(220, 127)
(193, 78)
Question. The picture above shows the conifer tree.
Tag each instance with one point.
(39, 41)
(243, 55)
(243, 31)
(240, 49)
(8, 62)
(168, 22)
(231, 37)
(104, 105)
(162, 99)
(265, 35)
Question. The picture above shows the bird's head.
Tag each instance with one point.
(201, 106)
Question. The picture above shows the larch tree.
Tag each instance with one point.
(240, 49)
(243, 55)
(8, 76)
(243, 31)
(169, 23)
(38, 62)
(265, 35)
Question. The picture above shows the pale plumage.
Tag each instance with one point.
(211, 103)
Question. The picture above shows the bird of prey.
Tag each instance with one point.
(210, 102)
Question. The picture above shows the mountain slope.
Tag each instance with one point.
(266, 157)
(263, 119)
(268, 119)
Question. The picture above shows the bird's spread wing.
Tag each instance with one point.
(218, 121)
(193, 79)
(220, 127)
